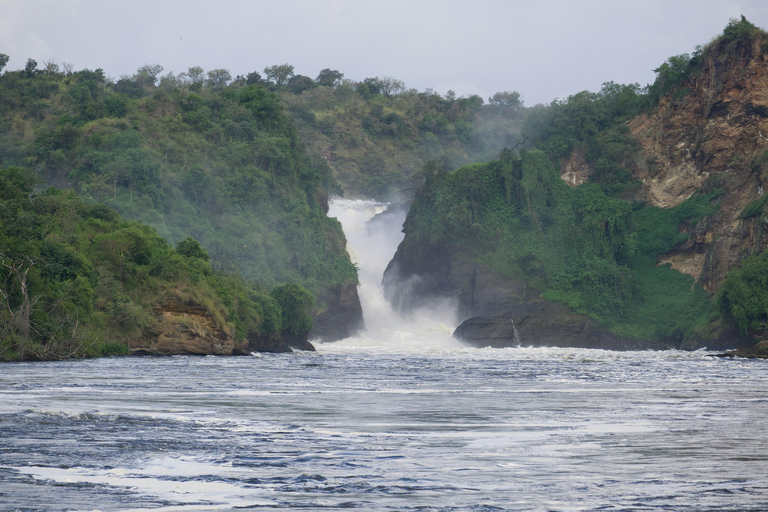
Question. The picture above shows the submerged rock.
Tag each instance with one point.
(758, 351)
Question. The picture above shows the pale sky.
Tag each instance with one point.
(543, 49)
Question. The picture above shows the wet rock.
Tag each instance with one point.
(281, 344)
(497, 312)
(341, 316)
(758, 351)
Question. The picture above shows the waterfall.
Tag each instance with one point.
(373, 232)
(514, 329)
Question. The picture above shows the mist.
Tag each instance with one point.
(374, 230)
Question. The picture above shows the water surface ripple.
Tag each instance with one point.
(452, 429)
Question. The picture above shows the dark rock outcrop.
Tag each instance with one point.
(282, 344)
(497, 311)
(342, 315)
(758, 351)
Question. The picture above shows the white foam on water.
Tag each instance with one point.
(188, 484)
(371, 243)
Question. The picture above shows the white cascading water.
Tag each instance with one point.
(371, 243)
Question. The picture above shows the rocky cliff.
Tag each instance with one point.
(713, 136)
(707, 137)
(342, 316)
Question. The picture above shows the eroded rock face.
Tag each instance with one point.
(708, 139)
(186, 329)
(190, 329)
(575, 170)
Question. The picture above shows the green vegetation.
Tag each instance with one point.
(206, 157)
(593, 125)
(594, 253)
(196, 155)
(77, 281)
(376, 135)
(742, 297)
(676, 71)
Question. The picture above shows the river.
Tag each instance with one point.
(400, 418)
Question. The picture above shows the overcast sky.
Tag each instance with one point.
(542, 49)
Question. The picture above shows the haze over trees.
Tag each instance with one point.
(594, 247)
(377, 134)
(197, 155)
(237, 171)
(78, 281)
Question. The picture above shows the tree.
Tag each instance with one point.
(300, 83)
(739, 29)
(3, 60)
(218, 78)
(506, 99)
(147, 74)
(369, 87)
(17, 318)
(279, 73)
(742, 296)
(254, 78)
(670, 75)
(31, 68)
(329, 77)
(296, 304)
(191, 248)
(51, 68)
(116, 105)
(194, 74)
(391, 86)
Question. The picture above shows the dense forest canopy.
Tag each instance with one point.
(195, 155)
(594, 253)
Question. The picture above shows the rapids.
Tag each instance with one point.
(401, 417)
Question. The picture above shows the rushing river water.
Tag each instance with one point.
(399, 418)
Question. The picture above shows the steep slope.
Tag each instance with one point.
(664, 202)
(78, 281)
(377, 140)
(713, 130)
(216, 161)
(533, 260)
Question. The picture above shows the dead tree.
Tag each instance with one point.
(17, 328)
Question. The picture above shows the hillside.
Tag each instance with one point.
(210, 158)
(78, 281)
(637, 224)
(376, 135)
